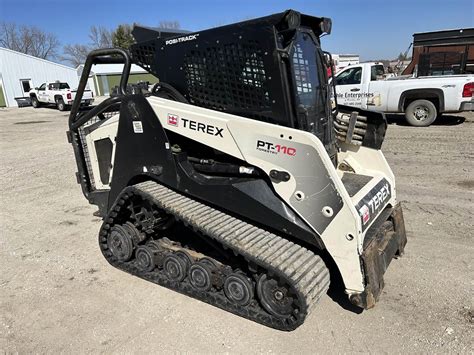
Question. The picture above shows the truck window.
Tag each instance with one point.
(42, 87)
(58, 86)
(350, 76)
(377, 72)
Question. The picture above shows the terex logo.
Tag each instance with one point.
(182, 39)
(202, 127)
(272, 148)
(365, 214)
(173, 119)
(377, 200)
(373, 202)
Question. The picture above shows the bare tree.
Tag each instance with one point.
(29, 40)
(172, 25)
(100, 37)
(76, 54)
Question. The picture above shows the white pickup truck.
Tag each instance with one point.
(58, 93)
(422, 99)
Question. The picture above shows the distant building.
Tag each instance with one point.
(343, 60)
(104, 77)
(442, 52)
(21, 72)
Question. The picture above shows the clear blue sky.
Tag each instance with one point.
(374, 29)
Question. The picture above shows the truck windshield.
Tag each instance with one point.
(310, 85)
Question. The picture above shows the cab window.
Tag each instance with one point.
(377, 72)
(349, 76)
(42, 87)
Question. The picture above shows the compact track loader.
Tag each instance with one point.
(237, 180)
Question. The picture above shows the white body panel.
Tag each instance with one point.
(384, 95)
(106, 130)
(237, 136)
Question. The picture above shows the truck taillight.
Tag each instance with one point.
(69, 96)
(468, 89)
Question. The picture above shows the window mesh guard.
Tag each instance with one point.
(231, 77)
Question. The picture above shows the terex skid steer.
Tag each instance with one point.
(236, 180)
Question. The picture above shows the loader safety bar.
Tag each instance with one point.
(82, 117)
(99, 56)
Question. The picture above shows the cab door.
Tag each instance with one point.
(349, 86)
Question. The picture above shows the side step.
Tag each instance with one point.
(283, 260)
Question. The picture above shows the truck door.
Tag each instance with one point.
(42, 93)
(349, 86)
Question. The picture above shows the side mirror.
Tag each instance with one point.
(36, 88)
(326, 25)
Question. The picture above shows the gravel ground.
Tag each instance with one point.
(58, 294)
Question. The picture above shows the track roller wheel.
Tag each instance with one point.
(134, 233)
(174, 267)
(277, 300)
(213, 265)
(238, 289)
(183, 254)
(148, 256)
(120, 243)
(200, 276)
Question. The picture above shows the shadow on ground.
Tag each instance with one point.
(337, 289)
(442, 120)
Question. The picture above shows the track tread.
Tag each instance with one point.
(301, 268)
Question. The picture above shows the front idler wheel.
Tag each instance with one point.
(238, 289)
(200, 276)
(174, 267)
(277, 300)
(120, 243)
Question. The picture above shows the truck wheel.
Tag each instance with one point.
(421, 113)
(34, 102)
(60, 104)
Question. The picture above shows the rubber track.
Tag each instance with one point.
(284, 260)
